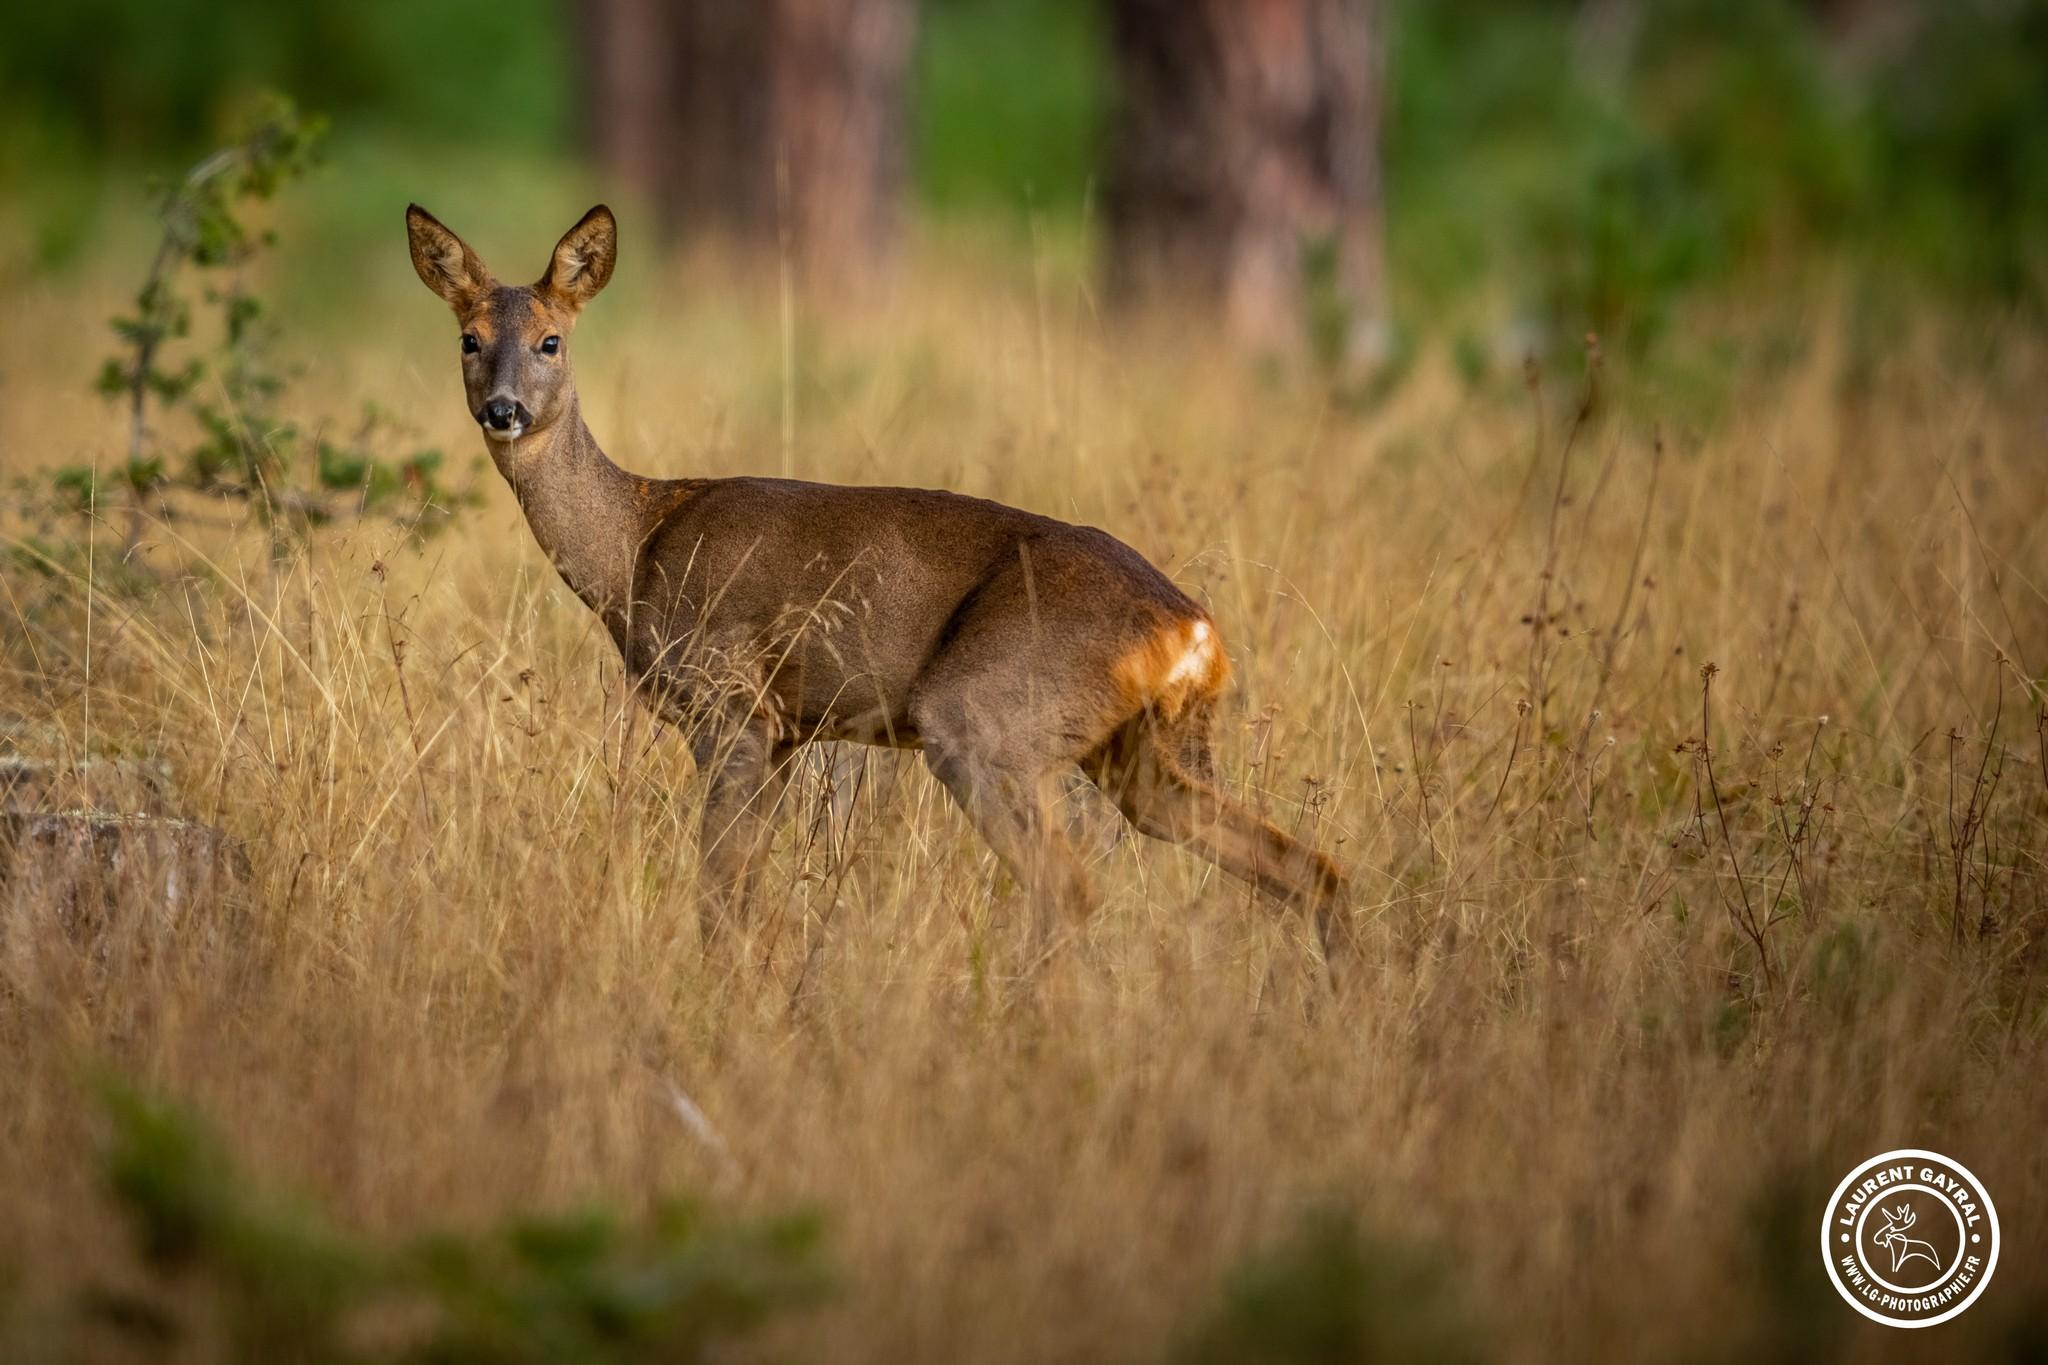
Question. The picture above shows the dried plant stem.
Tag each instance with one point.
(1752, 928)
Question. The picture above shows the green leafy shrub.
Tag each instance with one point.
(1330, 1294)
(207, 421)
(261, 1279)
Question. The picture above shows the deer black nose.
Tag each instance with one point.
(499, 413)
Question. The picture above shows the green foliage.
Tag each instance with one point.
(1331, 311)
(166, 77)
(202, 230)
(1607, 163)
(1012, 96)
(1331, 1295)
(282, 1279)
(352, 465)
(1961, 146)
(1801, 1322)
(273, 1281)
(230, 393)
(1592, 167)
(584, 1287)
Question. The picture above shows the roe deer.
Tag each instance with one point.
(760, 614)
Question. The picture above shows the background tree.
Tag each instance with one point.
(1244, 169)
(785, 121)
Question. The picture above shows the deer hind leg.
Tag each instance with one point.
(1160, 775)
(1009, 802)
(999, 743)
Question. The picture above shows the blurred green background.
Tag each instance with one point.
(1549, 165)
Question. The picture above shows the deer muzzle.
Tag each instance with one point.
(504, 416)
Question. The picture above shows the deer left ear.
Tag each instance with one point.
(583, 259)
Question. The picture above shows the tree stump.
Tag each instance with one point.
(125, 785)
(97, 877)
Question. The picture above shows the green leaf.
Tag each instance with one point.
(75, 480)
(144, 473)
(341, 468)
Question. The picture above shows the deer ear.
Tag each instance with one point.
(583, 259)
(444, 261)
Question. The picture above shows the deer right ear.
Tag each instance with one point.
(444, 261)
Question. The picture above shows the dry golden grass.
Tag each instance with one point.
(468, 972)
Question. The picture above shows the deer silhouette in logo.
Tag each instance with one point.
(1892, 1237)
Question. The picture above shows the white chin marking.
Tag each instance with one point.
(508, 435)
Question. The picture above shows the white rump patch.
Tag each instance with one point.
(1194, 660)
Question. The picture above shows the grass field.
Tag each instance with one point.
(1651, 963)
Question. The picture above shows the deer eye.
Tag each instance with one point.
(469, 343)
(550, 345)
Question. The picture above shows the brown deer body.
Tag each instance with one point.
(761, 614)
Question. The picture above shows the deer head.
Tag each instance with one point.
(1896, 1221)
(1892, 1236)
(515, 338)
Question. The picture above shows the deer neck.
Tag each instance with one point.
(580, 507)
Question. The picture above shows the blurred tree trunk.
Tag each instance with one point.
(625, 111)
(766, 122)
(1244, 170)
